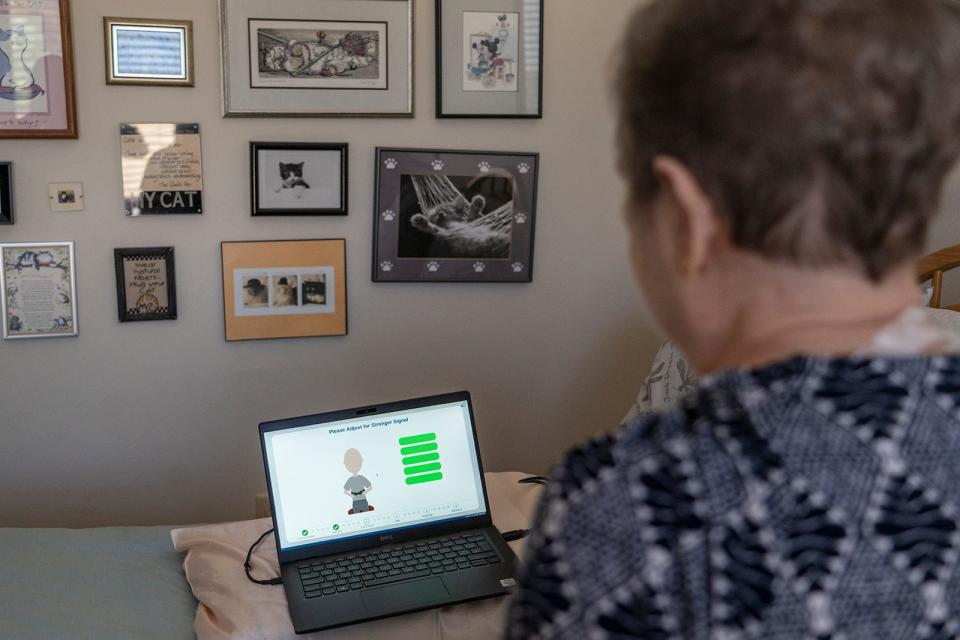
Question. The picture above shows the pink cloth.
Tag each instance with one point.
(230, 606)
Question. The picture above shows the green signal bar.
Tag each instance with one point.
(420, 448)
(421, 461)
(426, 457)
(423, 468)
(427, 477)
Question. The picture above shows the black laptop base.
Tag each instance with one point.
(334, 591)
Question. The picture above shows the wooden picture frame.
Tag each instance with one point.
(426, 199)
(7, 201)
(284, 289)
(40, 102)
(146, 284)
(276, 59)
(123, 37)
(489, 56)
(38, 290)
(298, 179)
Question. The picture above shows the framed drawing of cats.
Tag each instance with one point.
(36, 70)
(454, 216)
(298, 179)
(146, 284)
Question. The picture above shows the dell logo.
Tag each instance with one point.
(386, 538)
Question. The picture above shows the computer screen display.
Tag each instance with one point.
(338, 480)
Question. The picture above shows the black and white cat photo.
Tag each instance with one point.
(291, 177)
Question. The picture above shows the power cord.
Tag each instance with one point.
(247, 567)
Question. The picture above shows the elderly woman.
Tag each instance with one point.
(783, 158)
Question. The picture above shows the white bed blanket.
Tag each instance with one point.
(230, 606)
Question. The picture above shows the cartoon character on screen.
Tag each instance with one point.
(356, 487)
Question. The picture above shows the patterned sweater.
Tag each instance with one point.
(817, 498)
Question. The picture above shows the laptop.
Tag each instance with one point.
(382, 510)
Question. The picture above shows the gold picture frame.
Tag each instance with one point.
(284, 289)
(124, 38)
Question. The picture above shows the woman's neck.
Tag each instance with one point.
(790, 312)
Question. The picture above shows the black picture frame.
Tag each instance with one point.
(442, 110)
(6, 193)
(141, 254)
(408, 250)
(257, 190)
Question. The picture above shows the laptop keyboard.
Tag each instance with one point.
(376, 567)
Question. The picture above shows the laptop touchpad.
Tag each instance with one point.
(408, 595)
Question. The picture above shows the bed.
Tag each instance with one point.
(171, 583)
(125, 582)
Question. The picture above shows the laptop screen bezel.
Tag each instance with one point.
(406, 532)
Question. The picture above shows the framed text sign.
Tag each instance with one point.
(162, 169)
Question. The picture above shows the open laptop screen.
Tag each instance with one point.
(338, 480)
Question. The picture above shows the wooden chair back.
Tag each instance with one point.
(932, 268)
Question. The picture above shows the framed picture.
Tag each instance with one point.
(162, 169)
(454, 216)
(284, 289)
(318, 58)
(489, 58)
(146, 284)
(6, 193)
(151, 52)
(298, 179)
(36, 89)
(38, 283)
(66, 196)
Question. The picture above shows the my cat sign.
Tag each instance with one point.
(162, 170)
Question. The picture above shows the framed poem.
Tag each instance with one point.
(66, 196)
(489, 58)
(284, 289)
(148, 52)
(298, 179)
(6, 193)
(317, 58)
(146, 284)
(162, 168)
(454, 216)
(38, 290)
(37, 91)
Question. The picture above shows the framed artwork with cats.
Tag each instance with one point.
(38, 290)
(298, 179)
(454, 216)
(6, 193)
(489, 58)
(317, 57)
(284, 289)
(146, 284)
(36, 70)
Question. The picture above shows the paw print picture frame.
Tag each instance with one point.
(454, 216)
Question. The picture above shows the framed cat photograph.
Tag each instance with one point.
(146, 284)
(36, 70)
(489, 58)
(454, 216)
(298, 179)
(284, 289)
(317, 57)
(6, 193)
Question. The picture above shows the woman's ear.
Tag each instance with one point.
(696, 225)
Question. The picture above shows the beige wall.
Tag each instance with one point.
(156, 422)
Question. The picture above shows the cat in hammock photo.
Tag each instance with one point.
(291, 177)
(461, 226)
